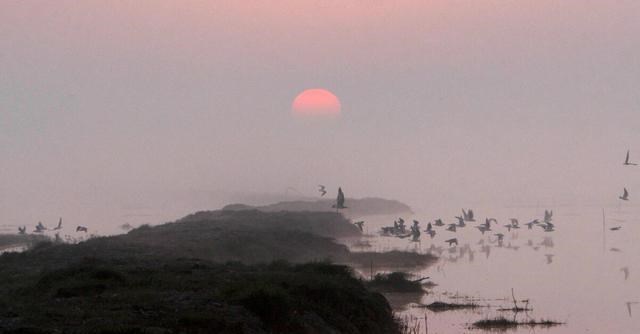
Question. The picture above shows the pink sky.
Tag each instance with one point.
(129, 102)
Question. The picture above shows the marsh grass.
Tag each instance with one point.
(442, 306)
(504, 323)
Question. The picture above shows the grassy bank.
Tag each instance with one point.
(178, 278)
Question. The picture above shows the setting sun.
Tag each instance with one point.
(316, 103)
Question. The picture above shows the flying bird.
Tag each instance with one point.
(82, 229)
(531, 223)
(59, 227)
(452, 227)
(626, 161)
(548, 215)
(22, 230)
(625, 196)
(468, 215)
(548, 227)
(40, 228)
(452, 241)
(322, 190)
(483, 228)
(359, 224)
(616, 228)
(439, 222)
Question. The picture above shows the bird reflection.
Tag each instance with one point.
(629, 304)
(625, 270)
(547, 242)
(486, 249)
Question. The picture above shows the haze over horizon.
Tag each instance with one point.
(127, 105)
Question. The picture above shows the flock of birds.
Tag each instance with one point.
(40, 228)
(400, 230)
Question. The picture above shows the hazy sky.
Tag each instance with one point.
(122, 104)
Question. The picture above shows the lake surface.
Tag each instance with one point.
(577, 274)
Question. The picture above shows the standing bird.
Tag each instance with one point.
(625, 196)
(59, 227)
(626, 161)
(322, 190)
(339, 201)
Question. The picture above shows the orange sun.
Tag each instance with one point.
(316, 103)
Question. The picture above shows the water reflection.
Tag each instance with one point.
(570, 281)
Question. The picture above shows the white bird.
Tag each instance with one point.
(625, 196)
(626, 161)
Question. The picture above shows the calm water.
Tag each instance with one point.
(573, 275)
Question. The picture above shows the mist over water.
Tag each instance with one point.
(160, 104)
(142, 112)
(577, 274)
